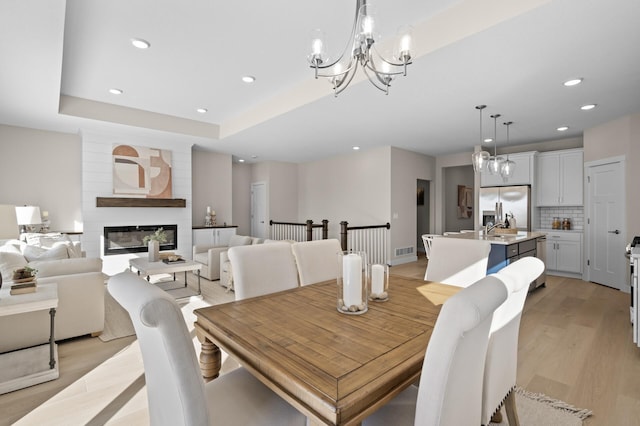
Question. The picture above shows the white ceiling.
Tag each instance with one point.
(60, 58)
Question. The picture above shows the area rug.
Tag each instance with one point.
(536, 409)
(117, 322)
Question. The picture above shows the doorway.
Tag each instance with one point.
(423, 195)
(259, 210)
(606, 219)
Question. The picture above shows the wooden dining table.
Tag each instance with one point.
(335, 368)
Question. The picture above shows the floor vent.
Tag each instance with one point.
(404, 251)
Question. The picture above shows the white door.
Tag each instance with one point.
(606, 224)
(259, 210)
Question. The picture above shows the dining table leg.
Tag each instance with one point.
(210, 358)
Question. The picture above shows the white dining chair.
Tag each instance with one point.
(450, 387)
(176, 392)
(502, 353)
(457, 261)
(426, 240)
(262, 269)
(317, 260)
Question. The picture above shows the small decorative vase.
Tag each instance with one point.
(154, 251)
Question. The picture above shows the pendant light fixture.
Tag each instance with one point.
(480, 158)
(361, 52)
(495, 162)
(508, 166)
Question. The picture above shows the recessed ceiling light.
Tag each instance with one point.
(487, 140)
(248, 79)
(562, 128)
(140, 43)
(115, 91)
(355, 148)
(573, 82)
(241, 160)
(587, 107)
(202, 110)
(254, 156)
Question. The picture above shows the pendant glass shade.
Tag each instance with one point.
(480, 159)
(494, 165)
(507, 168)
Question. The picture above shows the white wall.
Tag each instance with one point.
(353, 187)
(97, 179)
(212, 176)
(620, 137)
(454, 160)
(406, 168)
(241, 194)
(44, 169)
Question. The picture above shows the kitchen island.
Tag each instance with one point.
(506, 248)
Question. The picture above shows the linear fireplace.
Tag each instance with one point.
(129, 239)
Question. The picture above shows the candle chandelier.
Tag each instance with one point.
(483, 161)
(361, 51)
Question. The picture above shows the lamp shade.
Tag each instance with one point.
(28, 215)
(8, 222)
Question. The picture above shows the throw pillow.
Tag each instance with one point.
(32, 253)
(74, 249)
(9, 262)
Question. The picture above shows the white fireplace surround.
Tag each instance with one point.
(97, 181)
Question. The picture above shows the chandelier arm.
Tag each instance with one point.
(389, 73)
(394, 64)
(383, 89)
(345, 82)
(352, 64)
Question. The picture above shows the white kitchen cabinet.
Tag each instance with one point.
(523, 173)
(564, 252)
(559, 178)
(212, 236)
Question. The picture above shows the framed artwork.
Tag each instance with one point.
(465, 202)
(141, 172)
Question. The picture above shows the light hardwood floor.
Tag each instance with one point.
(575, 345)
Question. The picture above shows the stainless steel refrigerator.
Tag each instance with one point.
(515, 200)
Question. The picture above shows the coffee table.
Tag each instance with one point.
(177, 289)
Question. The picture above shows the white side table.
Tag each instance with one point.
(37, 364)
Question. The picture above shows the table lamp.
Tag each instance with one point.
(28, 217)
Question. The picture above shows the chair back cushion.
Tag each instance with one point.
(317, 261)
(457, 261)
(239, 240)
(175, 388)
(262, 269)
(450, 391)
(502, 354)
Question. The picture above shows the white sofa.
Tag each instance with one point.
(210, 256)
(80, 297)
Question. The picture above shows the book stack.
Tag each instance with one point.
(23, 288)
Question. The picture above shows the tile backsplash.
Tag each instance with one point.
(575, 214)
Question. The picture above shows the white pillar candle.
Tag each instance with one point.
(208, 209)
(352, 279)
(377, 279)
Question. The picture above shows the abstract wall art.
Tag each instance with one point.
(141, 172)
